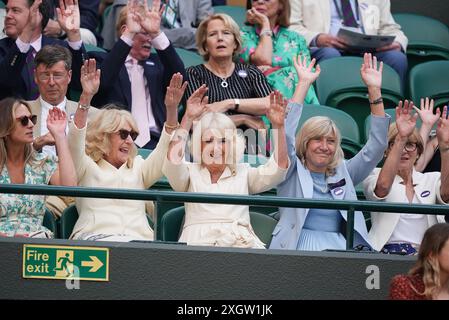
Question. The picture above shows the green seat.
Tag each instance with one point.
(430, 79)
(236, 12)
(68, 220)
(50, 222)
(172, 220)
(189, 58)
(428, 38)
(340, 85)
(144, 153)
(91, 47)
(254, 160)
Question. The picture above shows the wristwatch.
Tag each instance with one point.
(236, 104)
(83, 106)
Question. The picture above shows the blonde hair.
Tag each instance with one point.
(121, 20)
(427, 264)
(317, 127)
(415, 137)
(8, 108)
(201, 34)
(105, 122)
(223, 126)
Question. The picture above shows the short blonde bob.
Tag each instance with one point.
(106, 121)
(201, 34)
(317, 127)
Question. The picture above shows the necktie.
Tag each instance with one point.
(348, 14)
(33, 93)
(139, 106)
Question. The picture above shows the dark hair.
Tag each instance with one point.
(283, 18)
(45, 8)
(52, 54)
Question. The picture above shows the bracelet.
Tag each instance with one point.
(83, 106)
(377, 101)
(266, 32)
(167, 126)
(236, 104)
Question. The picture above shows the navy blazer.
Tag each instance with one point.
(14, 77)
(115, 86)
(299, 183)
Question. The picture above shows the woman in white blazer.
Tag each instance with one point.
(318, 169)
(105, 156)
(398, 181)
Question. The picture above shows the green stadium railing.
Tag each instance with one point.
(267, 201)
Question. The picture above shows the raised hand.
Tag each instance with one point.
(175, 91)
(68, 15)
(276, 112)
(426, 112)
(33, 23)
(371, 73)
(132, 22)
(305, 72)
(150, 19)
(443, 130)
(56, 122)
(90, 78)
(405, 121)
(196, 104)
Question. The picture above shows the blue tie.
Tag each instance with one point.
(33, 93)
(348, 14)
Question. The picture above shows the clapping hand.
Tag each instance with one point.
(175, 91)
(305, 72)
(276, 112)
(405, 121)
(371, 73)
(56, 122)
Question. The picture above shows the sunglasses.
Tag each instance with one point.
(125, 133)
(24, 120)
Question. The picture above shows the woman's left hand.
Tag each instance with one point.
(426, 112)
(56, 122)
(276, 111)
(90, 78)
(370, 72)
(443, 130)
(175, 91)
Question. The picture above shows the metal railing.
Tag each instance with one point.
(252, 200)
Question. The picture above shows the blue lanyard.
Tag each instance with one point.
(340, 13)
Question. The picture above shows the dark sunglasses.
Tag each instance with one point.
(125, 133)
(25, 119)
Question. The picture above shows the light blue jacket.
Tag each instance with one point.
(299, 184)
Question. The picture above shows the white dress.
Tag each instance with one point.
(218, 224)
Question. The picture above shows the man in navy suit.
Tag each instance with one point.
(156, 70)
(24, 22)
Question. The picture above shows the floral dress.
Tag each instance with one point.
(286, 44)
(23, 214)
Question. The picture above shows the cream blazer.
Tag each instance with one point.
(312, 17)
(114, 216)
(427, 191)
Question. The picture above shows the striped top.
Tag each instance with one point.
(246, 82)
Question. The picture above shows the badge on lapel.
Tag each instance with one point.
(425, 194)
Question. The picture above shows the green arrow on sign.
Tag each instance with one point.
(95, 263)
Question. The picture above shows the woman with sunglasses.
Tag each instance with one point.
(21, 215)
(398, 181)
(106, 157)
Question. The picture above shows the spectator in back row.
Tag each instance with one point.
(24, 23)
(22, 215)
(134, 78)
(319, 171)
(398, 181)
(237, 89)
(320, 21)
(180, 21)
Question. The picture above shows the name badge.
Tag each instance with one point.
(242, 73)
(338, 191)
(150, 63)
(169, 16)
(425, 194)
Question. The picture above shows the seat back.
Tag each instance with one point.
(189, 58)
(50, 222)
(430, 79)
(68, 220)
(263, 226)
(237, 13)
(144, 153)
(171, 223)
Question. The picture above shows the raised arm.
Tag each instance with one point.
(428, 119)
(276, 115)
(405, 123)
(65, 174)
(443, 141)
(372, 77)
(90, 81)
(68, 15)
